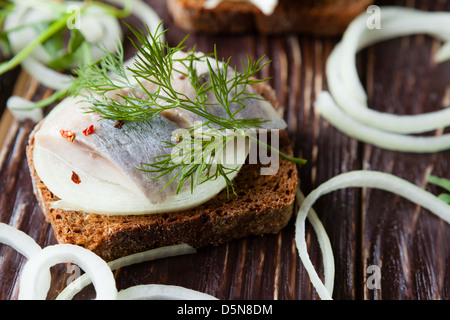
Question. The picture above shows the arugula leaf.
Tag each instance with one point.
(443, 183)
(54, 44)
(5, 46)
(445, 197)
(76, 40)
(71, 56)
(50, 33)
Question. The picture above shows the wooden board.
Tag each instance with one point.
(409, 245)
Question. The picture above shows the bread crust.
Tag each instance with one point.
(321, 17)
(263, 204)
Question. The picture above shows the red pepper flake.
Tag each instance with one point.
(182, 77)
(69, 135)
(75, 178)
(119, 124)
(89, 131)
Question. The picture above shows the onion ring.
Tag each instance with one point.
(363, 179)
(161, 292)
(74, 287)
(92, 264)
(35, 63)
(58, 81)
(18, 240)
(346, 88)
(324, 243)
(22, 243)
(328, 109)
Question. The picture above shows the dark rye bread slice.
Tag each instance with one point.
(319, 17)
(263, 204)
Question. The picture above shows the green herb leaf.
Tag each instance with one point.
(51, 33)
(443, 183)
(53, 45)
(72, 56)
(445, 197)
(76, 40)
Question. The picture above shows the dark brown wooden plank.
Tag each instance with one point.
(407, 243)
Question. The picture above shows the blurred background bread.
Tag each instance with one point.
(321, 17)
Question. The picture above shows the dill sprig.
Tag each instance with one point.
(154, 64)
(195, 158)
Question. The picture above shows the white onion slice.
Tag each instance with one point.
(408, 124)
(18, 107)
(58, 81)
(161, 292)
(24, 244)
(328, 109)
(32, 288)
(45, 75)
(18, 240)
(395, 22)
(443, 54)
(35, 278)
(342, 75)
(35, 63)
(159, 253)
(362, 179)
(324, 243)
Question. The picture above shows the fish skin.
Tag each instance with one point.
(133, 145)
(117, 153)
(123, 149)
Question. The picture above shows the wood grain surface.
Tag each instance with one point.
(409, 245)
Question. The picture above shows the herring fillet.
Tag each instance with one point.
(106, 161)
(132, 146)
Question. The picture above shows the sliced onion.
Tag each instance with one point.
(324, 243)
(18, 107)
(58, 81)
(408, 124)
(18, 240)
(386, 140)
(35, 278)
(35, 63)
(76, 286)
(31, 287)
(443, 54)
(395, 22)
(342, 75)
(46, 76)
(24, 244)
(362, 179)
(161, 292)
